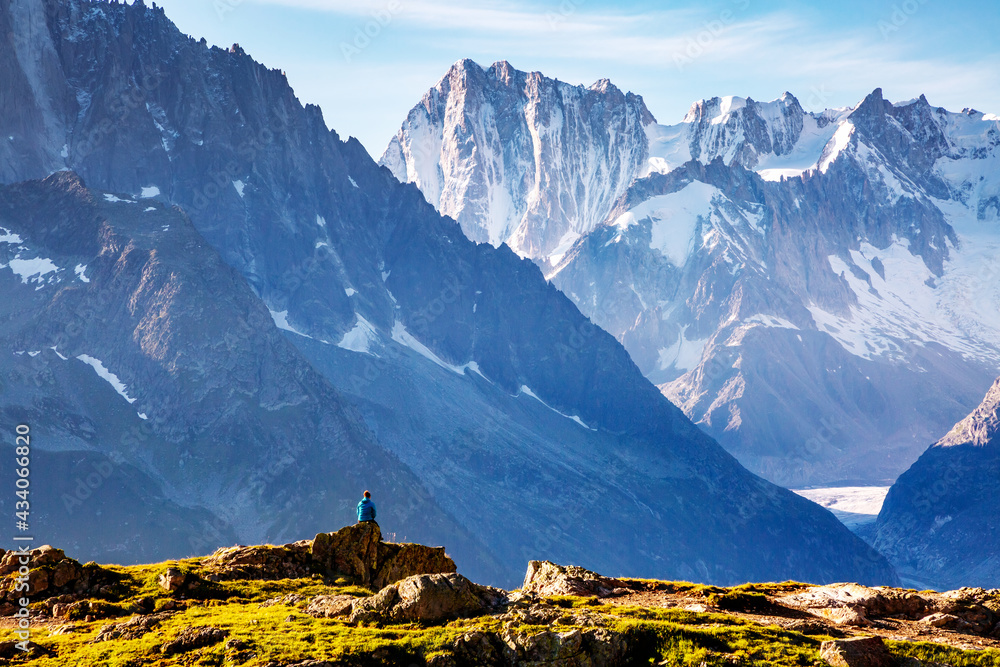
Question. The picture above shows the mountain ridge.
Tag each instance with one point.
(469, 376)
(849, 239)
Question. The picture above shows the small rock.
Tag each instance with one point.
(287, 600)
(192, 638)
(858, 652)
(330, 606)
(131, 629)
(234, 644)
(171, 580)
(64, 629)
(46, 555)
(441, 660)
(38, 581)
(9, 650)
(948, 621)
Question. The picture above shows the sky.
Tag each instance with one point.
(366, 63)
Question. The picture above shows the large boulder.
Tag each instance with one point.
(857, 652)
(352, 550)
(428, 598)
(399, 561)
(545, 578)
(358, 551)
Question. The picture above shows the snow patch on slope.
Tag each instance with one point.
(32, 270)
(674, 219)
(958, 310)
(683, 355)
(404, 337)
(527, 392)
(360, 338)
(107, 375)
(281, 321)
(6, 236)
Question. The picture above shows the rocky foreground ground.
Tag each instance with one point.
(348, 598)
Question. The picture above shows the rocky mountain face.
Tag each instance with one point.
(940, 521)
(471, 396)
(162, 398)
(518, 158)
(813, 289)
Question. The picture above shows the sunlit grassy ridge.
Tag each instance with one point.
(280, 633)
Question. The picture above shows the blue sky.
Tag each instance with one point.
(829, 53)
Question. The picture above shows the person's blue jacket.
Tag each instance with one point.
(366, 510)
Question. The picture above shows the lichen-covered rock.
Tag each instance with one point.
(857, 652)
(968, 610)
(135, 627)
(330, 606)
(545, 578)
(844, 604)
(260, 562)
(591, 647)
(192, 638)
(428, 598)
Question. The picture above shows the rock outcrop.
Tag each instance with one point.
(428, 598)
(52, 576)
(544, 578)
(355, 551)
(969, 610)
(859, 652)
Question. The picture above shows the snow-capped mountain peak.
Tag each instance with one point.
(849, 239)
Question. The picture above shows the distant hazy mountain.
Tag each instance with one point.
(813, 289)
(482, 409)
(940, 524)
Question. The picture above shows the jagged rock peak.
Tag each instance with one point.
(604, 85)
(873, 106)
(981, 426)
